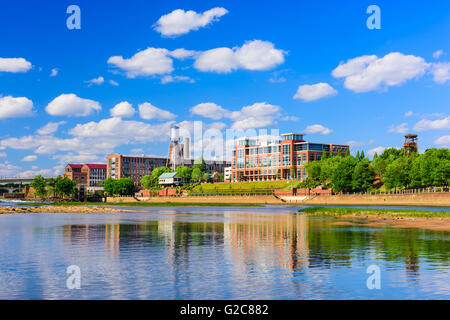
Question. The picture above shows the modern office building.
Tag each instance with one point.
(255, 159)
(95, 174)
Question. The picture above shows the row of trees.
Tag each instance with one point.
(60, 187)
(392, 168)
(416, 171)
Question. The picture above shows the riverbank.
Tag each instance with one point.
(144, 204)
(382, 218)
(59, 209)
(437, 199)
(422, 199)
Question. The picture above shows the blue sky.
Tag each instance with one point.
(242, 65)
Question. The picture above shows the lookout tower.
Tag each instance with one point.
(410, 144)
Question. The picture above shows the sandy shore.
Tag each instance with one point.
(59, 209)
(440, 224)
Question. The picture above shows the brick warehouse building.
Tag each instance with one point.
(95, 174)
(88, 175)
(257, 160)
(136, 167)
(74, 173)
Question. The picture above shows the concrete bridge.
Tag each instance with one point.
(15, 180)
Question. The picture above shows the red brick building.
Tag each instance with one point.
(74, 173)
(134, 167)
(88, 175)
(95, 174)
(285, 159)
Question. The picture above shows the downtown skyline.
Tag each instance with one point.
(132, 71)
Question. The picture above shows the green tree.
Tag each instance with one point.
(313, 169)
(65, 187)
(51, 183)
(308, 183)
(363, 175)
(197, 174)
(39, 185)
(200, 163)
(328, 167)
(342, 176)
(431, 168)
(108, 186)
(124, 186)
(397, 173)
(184, 172)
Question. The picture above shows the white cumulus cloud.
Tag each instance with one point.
(441, 72)
(377, 150)
(123, 109)
(148, 111)
(169, 78)
(437, 54)
(29, 158)
(54, 72)
(98, 81)
(401, 128)
(317, 128)
(72, 105)
(314, 92)
(14, 65)
(367, 73)
(180, 22)
(210, 110)
(50, 128)
(443, 141)
(257, 115)
(182, 53)
(11, 107)
(426, 124)
(253, 55)
(151, 61)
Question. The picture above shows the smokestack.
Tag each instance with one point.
(186, 148)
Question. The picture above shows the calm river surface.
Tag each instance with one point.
(216, 253)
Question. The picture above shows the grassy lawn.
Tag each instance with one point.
(245, 187)
(143, 204)
(337, 212)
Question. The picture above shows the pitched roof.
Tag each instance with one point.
(75, 166)
(96, 166)
(167, 175)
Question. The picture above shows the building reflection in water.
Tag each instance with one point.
(256, 240)
(249, 241)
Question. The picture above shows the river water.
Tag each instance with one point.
(216, 253)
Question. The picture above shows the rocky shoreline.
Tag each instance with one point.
(59, 209)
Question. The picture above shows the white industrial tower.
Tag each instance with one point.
(176, 153)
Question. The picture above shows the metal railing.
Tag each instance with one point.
(444, 189)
